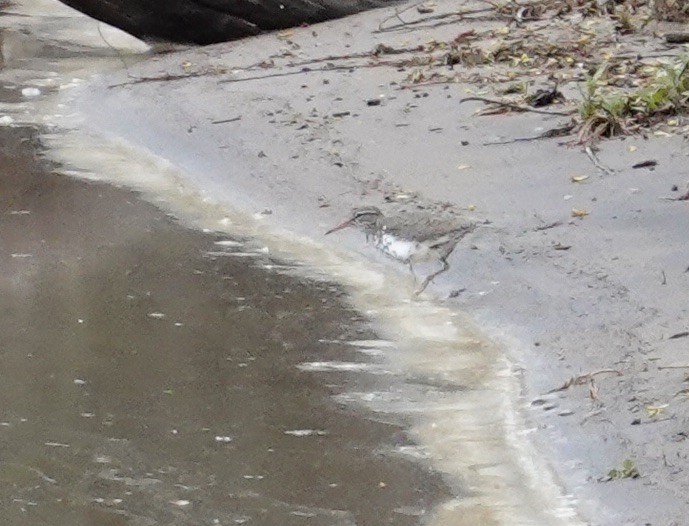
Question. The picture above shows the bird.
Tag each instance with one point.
(410, 236)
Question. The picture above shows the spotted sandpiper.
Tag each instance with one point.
(410, 237)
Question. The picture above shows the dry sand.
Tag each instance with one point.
(566, 296)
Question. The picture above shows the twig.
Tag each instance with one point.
(661, 367)
(233, 119)
(304, 71)
(517, 107)
(548, 134)
(547, 226)
(583, 379)
(398, 12)
(597, 163)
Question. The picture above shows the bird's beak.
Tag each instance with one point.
(340, 226)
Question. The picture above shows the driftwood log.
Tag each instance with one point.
(210, 21)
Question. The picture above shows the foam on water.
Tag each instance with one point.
(467, 418)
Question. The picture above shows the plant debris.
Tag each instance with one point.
(627, 471)
(583, 379)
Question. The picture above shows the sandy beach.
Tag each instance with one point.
(578, 277)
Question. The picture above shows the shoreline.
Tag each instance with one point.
(611, 301)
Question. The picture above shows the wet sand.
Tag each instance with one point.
(148, 379)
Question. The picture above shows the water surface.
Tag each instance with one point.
(150, 377)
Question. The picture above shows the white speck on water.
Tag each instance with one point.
(178, 324)
(410, 511)
(56, 444)
(174, 432)
(5, 424)
(156, 315)
(20, 255)
(87, 415)
(6, 120)
(79, 381)
(334, 366)
(80, 320)
(223, 439)
(232, 254)
(264, 250)
(253, 477)
(371, 343)
(306, 432)
(18, 212)
(228, 243)
(180, 502)
(30, 92)
(102, 459)
(306, 514)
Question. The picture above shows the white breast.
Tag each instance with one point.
(400, 249)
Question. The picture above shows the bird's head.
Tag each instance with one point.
(365, 217)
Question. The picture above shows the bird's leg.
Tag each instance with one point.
(431, 277)
(411, 269)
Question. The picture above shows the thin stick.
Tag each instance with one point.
(517, 107)
(597, 163)
(582, 379)
(460, 14)
(673, 367)
(233, 119)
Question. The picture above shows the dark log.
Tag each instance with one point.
(210, 21)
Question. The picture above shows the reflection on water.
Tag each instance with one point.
(146, 378)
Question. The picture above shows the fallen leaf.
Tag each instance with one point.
(655, 410)
(579, 212)
(579, 178)
(284, 35)
(463, 167)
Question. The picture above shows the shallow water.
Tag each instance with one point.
(148, 378)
